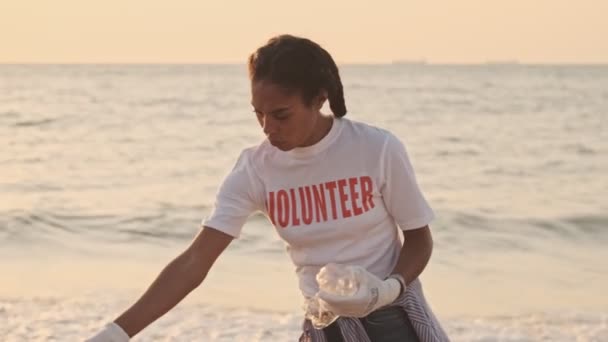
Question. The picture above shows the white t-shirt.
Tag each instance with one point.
(340, 200)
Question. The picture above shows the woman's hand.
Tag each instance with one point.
(178, 278)
(112, 332)
(372, 293)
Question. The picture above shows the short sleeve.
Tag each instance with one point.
(236, 199)
(400, 191)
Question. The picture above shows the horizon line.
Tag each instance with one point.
(392, 63)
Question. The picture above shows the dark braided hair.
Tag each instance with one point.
(299, 64)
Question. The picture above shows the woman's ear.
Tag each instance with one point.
(320, 99)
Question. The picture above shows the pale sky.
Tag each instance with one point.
(204, 31)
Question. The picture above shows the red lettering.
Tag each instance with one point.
(283, 208)
(294, 209)
(320, 208)
(352, 182)
(331, 186)
(366, 192)
(343, 198)
(306, 204)
(270, 207)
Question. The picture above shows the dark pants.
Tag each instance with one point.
(389, 324)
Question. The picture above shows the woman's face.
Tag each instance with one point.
(286, 120)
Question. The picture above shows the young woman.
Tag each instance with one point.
(336, 190)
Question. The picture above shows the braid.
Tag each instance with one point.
(301, 65)
(334, 87)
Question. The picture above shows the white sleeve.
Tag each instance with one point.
(400, 192)
(235, 201)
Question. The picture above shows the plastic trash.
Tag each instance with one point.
(332, 278)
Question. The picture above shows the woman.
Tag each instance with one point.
(336, 190)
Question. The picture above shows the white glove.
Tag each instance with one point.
(371, 294)
(112, 332)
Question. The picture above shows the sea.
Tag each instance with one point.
(106, 172)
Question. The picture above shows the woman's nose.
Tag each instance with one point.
(269, 125)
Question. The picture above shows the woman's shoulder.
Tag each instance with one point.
(253, 152)
(253, 157)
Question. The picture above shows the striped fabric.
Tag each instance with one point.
(423, 320)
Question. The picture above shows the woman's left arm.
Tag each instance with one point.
(415, 253)
(375, 292)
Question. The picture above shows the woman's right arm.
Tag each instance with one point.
(182, 275)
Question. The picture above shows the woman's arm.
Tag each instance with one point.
(375, 292)
(415, 253)
(178, 278)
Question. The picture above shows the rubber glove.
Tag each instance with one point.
(371, 294)
(112, 332)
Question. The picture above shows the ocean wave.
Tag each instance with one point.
(10, 114)
(170, 101)
(67, 319)
(179, 224)
(34, 123)
(466, 152)
(500, 234)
